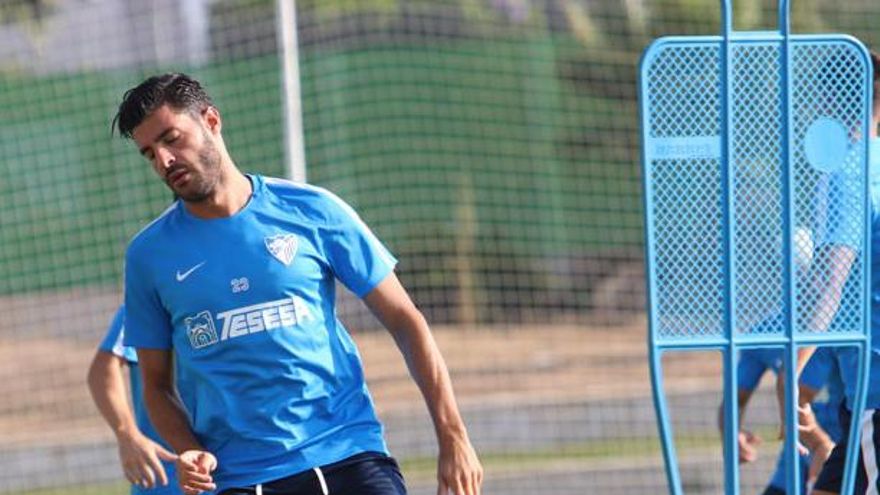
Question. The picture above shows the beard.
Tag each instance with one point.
(203, 184)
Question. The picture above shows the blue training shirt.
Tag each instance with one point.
(848, 357)
(112, 343)
(270, 377)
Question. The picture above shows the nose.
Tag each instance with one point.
(163, 159)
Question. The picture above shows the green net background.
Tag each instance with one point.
(492, 144)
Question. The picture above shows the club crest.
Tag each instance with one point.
(282, 247)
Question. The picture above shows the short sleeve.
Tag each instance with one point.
(112, 342)
(749, 370)
(147, 324)
(357, 257)
(845, 213)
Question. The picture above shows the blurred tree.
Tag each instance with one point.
(21, 11)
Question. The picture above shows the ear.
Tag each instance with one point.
(213, 120)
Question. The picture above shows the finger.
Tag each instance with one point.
(206, 463)
(458, 486)
(159, 470)
(165, 454)
(185, 465)
(149, 476)
(442, 489)
(200, 486)
(130, 476)
(196, 477)
(475, 484)
(140, 475)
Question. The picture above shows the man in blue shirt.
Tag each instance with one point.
(235, 285)
(145, 459)
(837, 252)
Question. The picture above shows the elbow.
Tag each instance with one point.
(95, 376)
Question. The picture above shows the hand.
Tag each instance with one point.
(459, 471)
(748, 446)
(140, 459)
(819, 443)
(194, 468)
(807, 423)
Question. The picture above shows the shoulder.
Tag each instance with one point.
(152, 232)
(312, 204)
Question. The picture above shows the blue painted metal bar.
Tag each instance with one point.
(730, 353)
(864, 346)
(790, 308)
(655, 353)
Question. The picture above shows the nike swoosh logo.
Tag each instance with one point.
(182, 276)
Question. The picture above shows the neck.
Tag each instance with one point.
(231, 194)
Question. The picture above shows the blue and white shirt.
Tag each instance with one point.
(848, 356)
(112, 343)
(270, 377)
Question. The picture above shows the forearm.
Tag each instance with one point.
(458, 468)
(428, 369)
(816, 439)
(828, 279)
(169, 418)
(106, 385)
(163, 404)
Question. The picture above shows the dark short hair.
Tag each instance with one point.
(179, 91)
(875, 64)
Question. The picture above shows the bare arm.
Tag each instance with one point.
(828, 274)
(139, 455)
(194, 464)
(827, 279)
(106, 384)
(459, 469)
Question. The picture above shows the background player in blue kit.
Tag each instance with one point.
(235, 285)
(820, 386)
(145, 460)
(837, 251)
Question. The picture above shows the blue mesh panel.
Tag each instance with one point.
(681, 97)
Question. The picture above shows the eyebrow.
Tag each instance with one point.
(144, 149)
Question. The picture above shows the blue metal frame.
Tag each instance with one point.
(732, 341)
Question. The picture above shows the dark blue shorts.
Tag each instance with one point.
(370, 473)
(831, 477)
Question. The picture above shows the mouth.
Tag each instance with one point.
(177, 177)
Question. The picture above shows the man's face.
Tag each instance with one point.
(182, 149)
